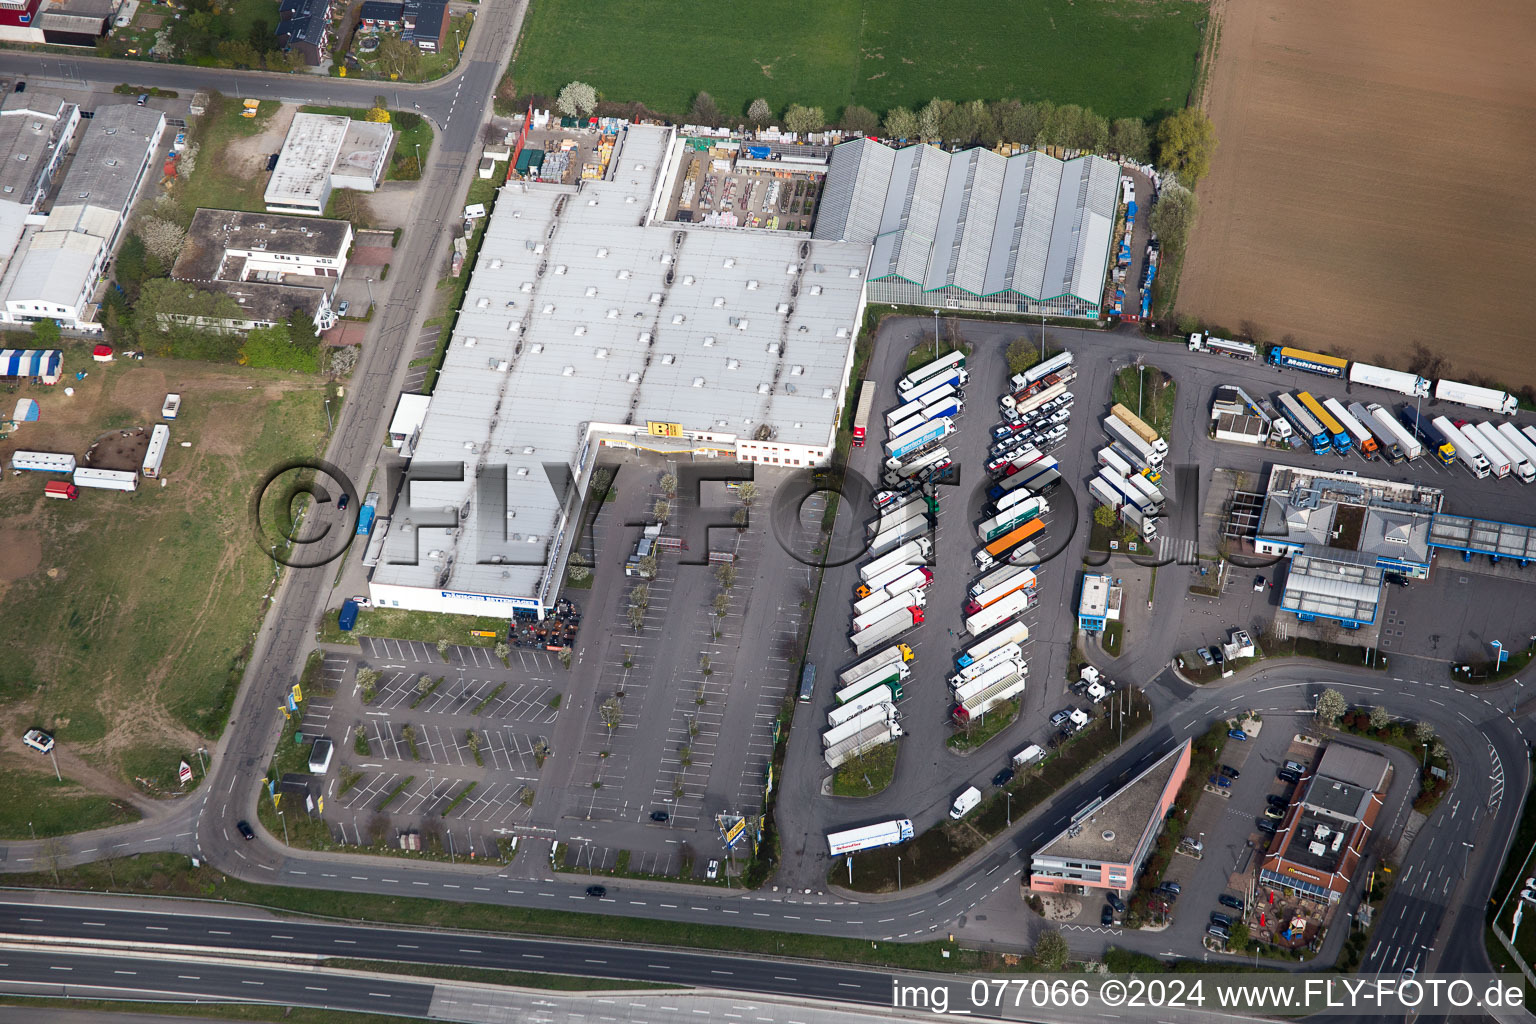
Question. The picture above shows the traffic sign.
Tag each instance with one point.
(186, 773)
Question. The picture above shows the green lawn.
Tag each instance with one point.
(866, 775)
(36, 804)
(149, 600)
(428, 627)
(211, 185)
(1153, 394)
(1123, 58)
(992, 723)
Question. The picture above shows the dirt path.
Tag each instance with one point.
(1371, 184)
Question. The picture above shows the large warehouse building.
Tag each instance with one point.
(588, 323)
(975, 230)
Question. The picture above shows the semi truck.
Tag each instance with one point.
(885, 580)
(1043, 479)
(1112, 458)
(1421, 426)
(920, 395)
(1518, 466)
(1411, 446)
(951, 362)
(1338, 437)
(1013, 633)
(1155, 500)
(998, 613)
(1386, 444)
(911, 580)
(990, 555)
(1145, 524)
(1498, 462)
(1056, 363)
(981, 703)
(996, 668)
(911, 419)
(1127, 492)
(1034, 396)
(911, 554)
(1008, 485)
(1453, 391)
(875, 735)
(1025, 580)
(1237, 349)
(1516, 441)
(1005, 653)
(889, 665)
(912, 442)
(996, 577)
(1410, 384)
(1132, 444)
(1016, 515)
(1467, 451)
(1311, 362)
(887, 539)
(869, 837)
(1306, 425)
(858, 723)
(913, 599)
(929, 465)
(1012, 499)
(1139, 425)
(951, 405)
(861, 413)
(1364, 442)
(874, 697)
(866, 640)
(916, 506)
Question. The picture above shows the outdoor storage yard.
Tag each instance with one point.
(1333, 216)
(133, 609)
(1123, 58)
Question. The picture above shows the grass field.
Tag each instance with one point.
(866, 775)
(1123, 58)
(36, 803)
(129, 613)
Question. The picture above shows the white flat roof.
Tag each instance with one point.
(304, 166)
(580, 311)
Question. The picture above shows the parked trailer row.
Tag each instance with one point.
(1025, 581)
(1519, 467)
(858, 723)
(1515, 441)
(1136, 423)
(1015, 515)
(1411, 446)
(996, 614)
(909, 555)
(889, 607)
(892, 663)
(1412, 385)
(976, 669)
(874, 697)
(1386, 442)
(1041, 370)
(980, 704)
(1467, 451)
(1306, 425)
(866, 640)
(1421, 426)
(994, 552)
(875, 735)
(1337, 436)
(1364, 441)
(1013, 633)
(1145, 454)
(994, 673)
(946, 363)
(909, 443)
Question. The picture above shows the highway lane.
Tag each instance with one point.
(209, 934)
(46, 972)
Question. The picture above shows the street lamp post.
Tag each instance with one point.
(1009, 796)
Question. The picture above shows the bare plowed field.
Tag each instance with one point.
(1373, 186)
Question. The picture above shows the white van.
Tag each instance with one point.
(1029, 755)
(965, 803)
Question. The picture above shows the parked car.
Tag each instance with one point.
(1170, 888)
(1193, 845)
(1237, 734)
(1061, 716)
(1228, 900)
(143, 98)
(21, 86)
(884, 499)
(1205, 656)
(1218, 931)
(1003, 777)
(1107, 918)
(1217, 917)
(1286, 775)
(1274, 813)
(1396, 579)
(245, 829)
(596, 891)
(341, 310)
(272, 161)
(1230, 772)
(1265, 825)
(1258, 584)
(1295, 766)
(1221, 781)
(341, 502)
(660, 815)
(1216, 655)
(1276, 800)
(1115, 901)
(713, 871)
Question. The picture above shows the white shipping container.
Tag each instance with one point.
(889, 606)
(1110, 456)
(1005, 653)
(876, 735)
(171, 407)
(969, 688)
(107, 479)
(1522, 469)
(1467, 451)
(1519, 442)
(1498, 462)
(1476, 397)
(871, 698)
(908, 555)
(1013, 633)
(1410, 384)
(998, 613)
(861, 721)
(43, 462)
(1412, 447)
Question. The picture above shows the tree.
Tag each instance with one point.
(930, 120)
(424, 684)
(1021, 355)
(957, 123)
(900, 123)
(1019, 123)
(668, 484)
(1380, 717)
(747, 493)
(472, 741)
(398, 58)
(803, 120)
(1185, 142)
(1051, 951)
(647, 566)
(860, 120)
(162, 238)
(722, 603)
(662, 510)
(351, 205)
(1094, 133)
(636, 617)
(1423, 732)
(367, 682)
(239, 53)
(1330, 706)
(1173, 215)
(1063, 126)
(1128, 136)
(578, 99)
(986, 130)
(759, 113)
(612, 711)
(378, 115)
(1105, 516)
(133, 265)
(442, 649)
(273, 348)
(503, 650)
(1239, 935)
(46, 333)
(704, 110)
(725, 575)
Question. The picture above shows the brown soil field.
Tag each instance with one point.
(1371, 190)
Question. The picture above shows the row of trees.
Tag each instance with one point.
(1183, 141)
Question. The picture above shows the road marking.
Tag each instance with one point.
(658, 967)
(188, 977)
(721, 972)
(532, 956)
(403, 945)
(33, 920)
(125, 972)
(247, 981)
(346, 942)
(380, 995)
(215, 931)
(314, 988)
(148, 927)
(469, 950)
